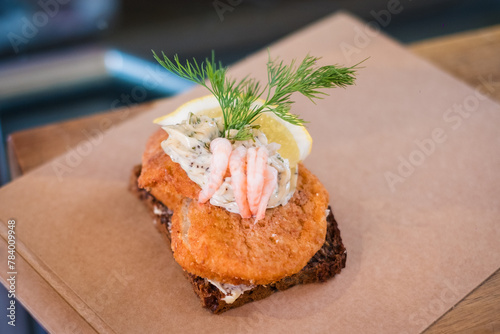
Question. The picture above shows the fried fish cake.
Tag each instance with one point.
(212, 242)
(162, 177)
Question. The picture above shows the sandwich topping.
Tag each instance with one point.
(249, 186)
(244, 152)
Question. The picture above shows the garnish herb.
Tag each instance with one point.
(236, 98)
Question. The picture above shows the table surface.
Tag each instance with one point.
(471, 57)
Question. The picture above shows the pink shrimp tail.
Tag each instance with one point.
(256, 168)
(221, 150)
(270, 182)
(237, 166)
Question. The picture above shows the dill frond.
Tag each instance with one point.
(236, 98)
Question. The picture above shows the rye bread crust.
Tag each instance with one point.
(325, 264)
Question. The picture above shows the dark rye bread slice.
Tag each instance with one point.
(325, 264)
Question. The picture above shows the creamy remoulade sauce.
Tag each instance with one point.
(188, 144)
(231, 292)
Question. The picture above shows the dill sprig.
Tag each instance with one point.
(237, 98)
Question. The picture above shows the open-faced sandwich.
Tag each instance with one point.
(224, 180)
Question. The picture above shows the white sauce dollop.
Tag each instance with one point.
(188, 145)
(231, 292)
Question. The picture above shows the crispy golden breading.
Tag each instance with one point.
(181, 253)
(211, 242)
(163, 178)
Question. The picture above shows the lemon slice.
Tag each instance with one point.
(295, 141)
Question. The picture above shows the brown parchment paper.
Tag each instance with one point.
(409, 155)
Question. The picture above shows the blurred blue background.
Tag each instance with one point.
(61, 59)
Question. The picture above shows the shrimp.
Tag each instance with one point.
(256, 168)
(221, 150)
(239, 180)
(270, 182)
